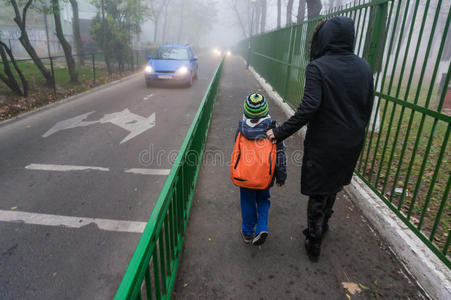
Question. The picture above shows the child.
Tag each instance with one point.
(255, 203)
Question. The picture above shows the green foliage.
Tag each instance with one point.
(122, 19)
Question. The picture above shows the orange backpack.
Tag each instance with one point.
(253, 163)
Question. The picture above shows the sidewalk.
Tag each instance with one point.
(216, 264)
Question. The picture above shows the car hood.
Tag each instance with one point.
(167, 65)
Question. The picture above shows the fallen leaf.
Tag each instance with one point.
(414, 220)
(209, 239)
(54, 274)
(14, 208)
(363, 286)
(185, 285)
(349, 297)
(352, 287)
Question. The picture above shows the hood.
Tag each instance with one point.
(336, 36)
(257, 132)
(167, 65)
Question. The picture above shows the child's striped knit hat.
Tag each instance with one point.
(255, 106)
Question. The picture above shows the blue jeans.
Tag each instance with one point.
(254, 210)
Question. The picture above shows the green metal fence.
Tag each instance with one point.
(152, 270)
(406, 159)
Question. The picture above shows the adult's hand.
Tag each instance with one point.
(270, 135)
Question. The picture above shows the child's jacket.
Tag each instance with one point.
(257, 132)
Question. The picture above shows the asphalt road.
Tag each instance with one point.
(79, 180)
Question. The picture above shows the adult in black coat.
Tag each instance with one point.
(336, 107)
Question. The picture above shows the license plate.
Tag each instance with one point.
(164, 76)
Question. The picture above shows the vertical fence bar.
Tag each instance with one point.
(156, 273)
(53, 77)
(162, 261)
(148, 283)
(442, 206)
(434, 177)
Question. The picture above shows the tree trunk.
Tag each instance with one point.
(331, 4)
(76, 30)
(179, 36)
(301, 11)
(165, 24)
(447, 50)
(257, 13)
(289, 12)
(313, 8)
(66, 46)
(263, 16)
(106, 51)
(155, 30)
(9, 80)
(20, 20)
(279, 13)
(16, 67)
(240, 21)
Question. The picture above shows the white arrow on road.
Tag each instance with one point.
(125, 119)
(70, 123)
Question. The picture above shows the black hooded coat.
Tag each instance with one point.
(337, 104)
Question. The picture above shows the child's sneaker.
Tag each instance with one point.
(260, 238)
(247, 238)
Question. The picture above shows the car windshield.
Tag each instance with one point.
(171, 53)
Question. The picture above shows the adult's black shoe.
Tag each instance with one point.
(312, 246)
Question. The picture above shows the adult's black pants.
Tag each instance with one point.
(319, 211)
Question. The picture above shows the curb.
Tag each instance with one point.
(429, 272)
(71, 98)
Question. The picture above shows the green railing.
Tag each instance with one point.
(153, 267)
(406, 159)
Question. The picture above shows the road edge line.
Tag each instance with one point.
(68, 99)
(420, 262)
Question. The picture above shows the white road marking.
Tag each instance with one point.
(70, 123)
(125, 119)
(72, 222)
(63, 168)
(147, 97)
(130, 122)
(149, 171)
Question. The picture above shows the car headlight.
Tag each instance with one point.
(148, 69)
(182, 70)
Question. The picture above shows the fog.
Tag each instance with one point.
(213, 22)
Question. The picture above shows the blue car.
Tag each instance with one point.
(172, 63)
